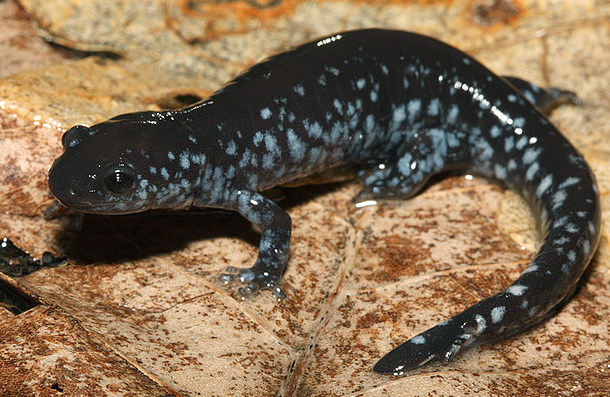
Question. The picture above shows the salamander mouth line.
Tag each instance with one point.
(107, 208)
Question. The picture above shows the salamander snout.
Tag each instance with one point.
(93, 188)
(60, 182)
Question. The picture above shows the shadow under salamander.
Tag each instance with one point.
(119, 238)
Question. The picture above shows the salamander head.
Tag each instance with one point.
(124, 166)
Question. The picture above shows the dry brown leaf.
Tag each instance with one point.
(142, 312)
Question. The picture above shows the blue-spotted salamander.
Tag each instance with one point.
(401, 107)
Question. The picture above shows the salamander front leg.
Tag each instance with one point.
(274, 247)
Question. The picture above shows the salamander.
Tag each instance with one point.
(400, 107)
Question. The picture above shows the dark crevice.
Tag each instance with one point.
(15, 300)
(178, 101)
(55, 386)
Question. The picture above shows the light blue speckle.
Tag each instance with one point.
(434, 107)
(333, 70)
(265, 113)
(572, 256)
(521, 143)
(258, 138)
(414, 107)
(516, 289)
(314, 130)
(558, 199)
(231, 148)
(500, 172)
(454, 112)
(369, 123)
(572, 180)
(497, 314)
(418, 340)
(519, 122)
(300, 90)
(338, 106)
(164, 173)
(509, 143)
(531, 171)
(373, 96)
(530, 155)
(185, 162)
(544, 184)
(399, 114)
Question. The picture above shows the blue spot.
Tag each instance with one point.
(521, 143)
(300, 90)
(185, 163)
(500, 172)
(399, 115)
(413, 107)
(332, 69)
(295, 145)
(231, 148)
(258, 138)
(454, 112)
(164, 173)
(495, 131)
(531, 171)
(544, 184)
(418, 340)
(434, 107)
(314, 130)
(530, 155)
(338, 106)
(497, 314)
(265, 113)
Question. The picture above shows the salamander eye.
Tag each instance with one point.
(74, 136)
(119, 179)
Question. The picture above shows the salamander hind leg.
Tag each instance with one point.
(427, 153)
(274, 247)
(545, 99)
